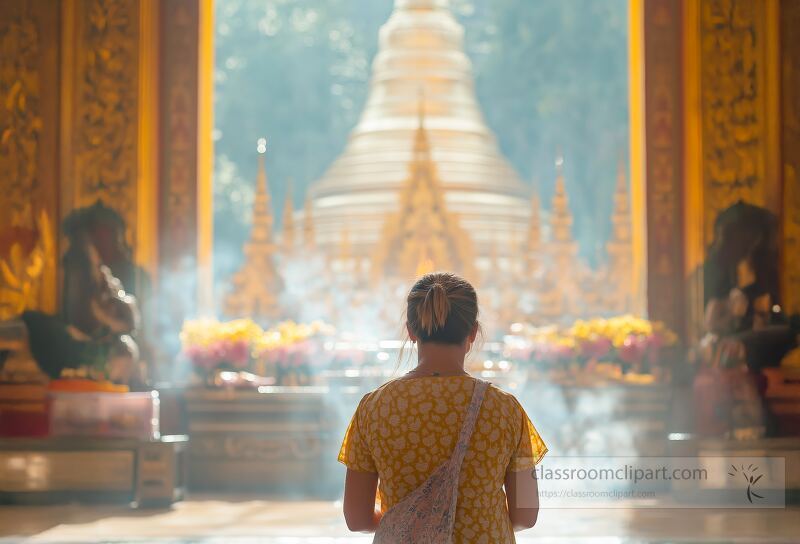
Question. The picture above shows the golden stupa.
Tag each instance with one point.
(422, 236)
(421, 52)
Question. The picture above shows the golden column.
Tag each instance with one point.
(790, 53)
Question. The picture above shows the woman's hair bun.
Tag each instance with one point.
(442, 307)
(434, 309)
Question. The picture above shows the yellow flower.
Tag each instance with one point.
(616, 329)
(204, 332)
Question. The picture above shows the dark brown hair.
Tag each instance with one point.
(442, 308)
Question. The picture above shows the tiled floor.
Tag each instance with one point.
(240, 521)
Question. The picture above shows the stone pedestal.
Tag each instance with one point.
(277, 440)
(55, 470)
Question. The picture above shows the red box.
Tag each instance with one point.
(23, 410)
(119, 415)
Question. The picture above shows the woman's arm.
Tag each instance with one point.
(522, 495)
(359, 501)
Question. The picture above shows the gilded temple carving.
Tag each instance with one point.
(255, 448)
(20, 118)
(791, 247)
(790, 18)
(28, 246)
(25, 268)
(422, 236)
(733, 98)
(106, 112)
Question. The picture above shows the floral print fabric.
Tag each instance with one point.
(427, 514)
(408, 428)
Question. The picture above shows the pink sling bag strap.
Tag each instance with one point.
(427, 514)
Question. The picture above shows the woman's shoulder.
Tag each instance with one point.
(382, 392)
(495, 397)
(502, 398)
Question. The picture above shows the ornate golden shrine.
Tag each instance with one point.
(111, 99)
(422, 235)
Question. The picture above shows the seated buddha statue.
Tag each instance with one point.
(99, 320)
(110, 352)
(742, 295)
(746, 329)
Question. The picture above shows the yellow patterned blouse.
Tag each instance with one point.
(408, 427)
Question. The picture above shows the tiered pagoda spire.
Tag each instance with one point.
(559, 288)
(621, 219)
(561, 217)
(309, 235)
(287, 229)
(533, 242)
(422, 235)
(620, 248)
(257, 284)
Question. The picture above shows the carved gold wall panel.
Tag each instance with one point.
(737, 102)
(20, 115)
(28, 130)
(790, 51)
(102, 71)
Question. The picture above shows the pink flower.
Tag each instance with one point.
(596, 348)
(238, 354)
(217, 352)
(656, 341)
(200, 358)
(633, 349)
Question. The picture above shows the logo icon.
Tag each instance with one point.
(751, 476)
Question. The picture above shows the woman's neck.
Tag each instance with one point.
(440, 359)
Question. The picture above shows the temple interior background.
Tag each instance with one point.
(213, 210)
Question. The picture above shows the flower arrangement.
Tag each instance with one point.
(626, 340)
(213, 345)
(241, 344)
(286, 351)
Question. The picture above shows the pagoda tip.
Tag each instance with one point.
(559, 166)
(421, 106)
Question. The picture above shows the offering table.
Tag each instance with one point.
(145, 473)
(275, 440)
